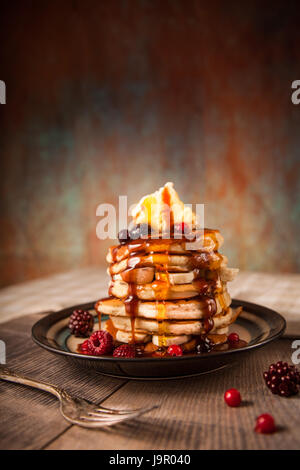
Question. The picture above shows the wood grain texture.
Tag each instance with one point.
(30, 418)
(193, 414)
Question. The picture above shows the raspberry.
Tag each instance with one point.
(265, 424)
(85, 347)
(232, 397)
(174, 350)
(282, 379)
(101, 342)
(233, 338)
(81, 323)
(125, 350)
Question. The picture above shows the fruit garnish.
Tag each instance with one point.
(81, 323)
(85, 347)
(174, 350)
(100, 342)
(139, 350)
(265, 424)
(125, 350)
(282, 379)
(233, 338)
(205, 345)
(140, 231)
(123, 236)
(232, 397)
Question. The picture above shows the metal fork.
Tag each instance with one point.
(76, 410)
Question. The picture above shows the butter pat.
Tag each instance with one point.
(162, 209)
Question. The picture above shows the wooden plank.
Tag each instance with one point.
(193, 414)
(30, 419)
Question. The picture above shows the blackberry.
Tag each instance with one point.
(204, 345)
(282, 379)
(123, 236)
(140, 231)
(139, 350)
(81, 323)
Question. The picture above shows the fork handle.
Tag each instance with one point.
(12, 376)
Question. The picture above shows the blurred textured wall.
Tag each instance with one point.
(118, 97)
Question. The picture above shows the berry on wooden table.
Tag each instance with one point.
(282, 379)
(265, 424)
(232, 397)
(205, 345)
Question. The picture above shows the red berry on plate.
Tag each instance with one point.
(265, 424)
(174, 350)
(232, 397)
(100, 342)
(85, 347)
(233, 338)
(125, 350)
(81, 323)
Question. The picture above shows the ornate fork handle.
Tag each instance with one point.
(11, 376)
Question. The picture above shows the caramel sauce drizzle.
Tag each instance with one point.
(143, 246)
(131, 307)
(139, 254)
(162, 284)
(161, 287)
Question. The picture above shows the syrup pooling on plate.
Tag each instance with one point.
(167, 291)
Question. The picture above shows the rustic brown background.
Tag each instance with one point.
(108, 98)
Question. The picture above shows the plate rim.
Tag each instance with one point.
(61, 314)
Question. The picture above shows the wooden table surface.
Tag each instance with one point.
(192, 413)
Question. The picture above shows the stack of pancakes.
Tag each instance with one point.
(163, 292)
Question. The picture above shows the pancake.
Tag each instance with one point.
(176, 263)
(193, 309)
(160, 291)
(127, 337)
(136, 276)
(172, 327)
(147, 275)
(211, 242)
(169, 340)
(228, 274)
